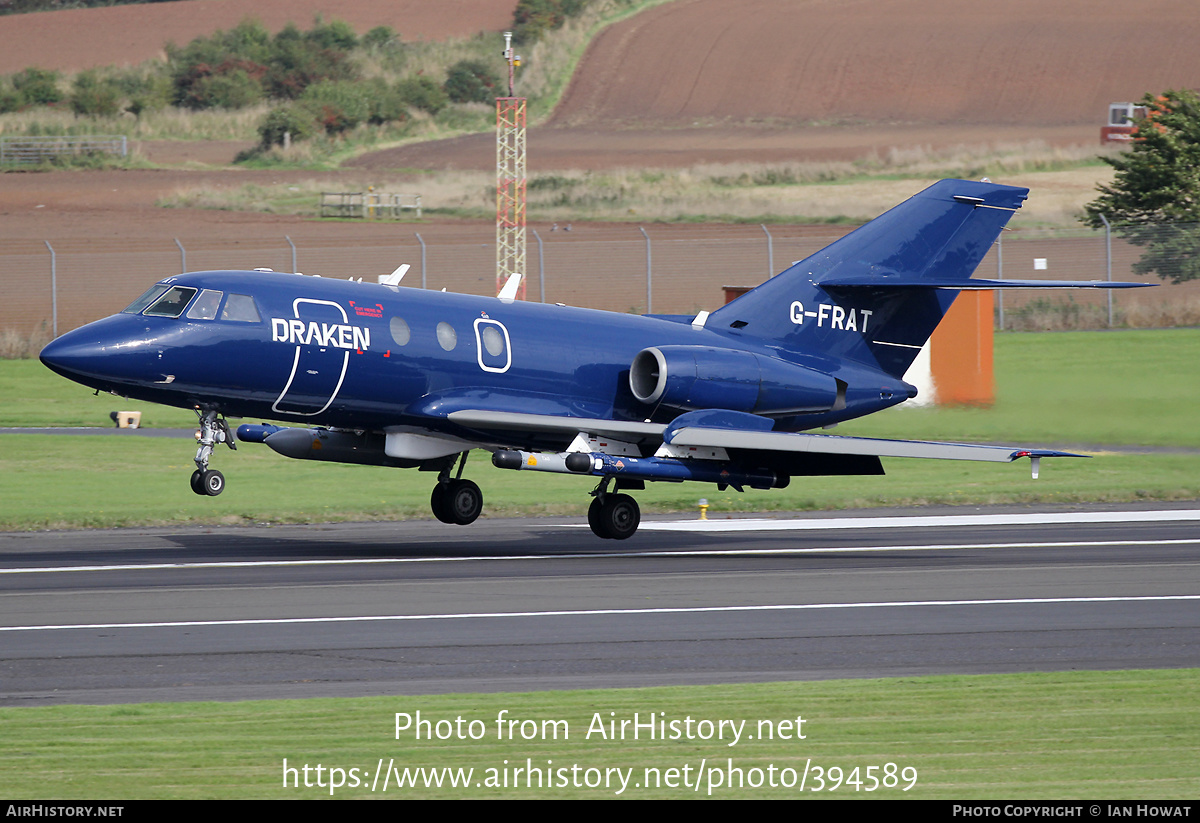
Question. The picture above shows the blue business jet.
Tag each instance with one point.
(388, 376)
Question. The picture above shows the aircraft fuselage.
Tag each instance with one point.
(359, 355)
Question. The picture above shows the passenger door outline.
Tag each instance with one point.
(318, 349)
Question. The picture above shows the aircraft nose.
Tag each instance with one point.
(97, 355)
(68, 355)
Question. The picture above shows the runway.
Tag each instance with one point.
(514, 605)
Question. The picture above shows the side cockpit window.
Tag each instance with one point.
(172, 303)
(240, 308)
(205, 307)
(149, 296)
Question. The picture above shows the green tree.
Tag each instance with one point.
(293, 119)
(533, 18)
(37, 87)
(339, 105)
(93, 96)
(1154, 201)
(471, 81)
(380, 37)
(335, 34)
(422, 93)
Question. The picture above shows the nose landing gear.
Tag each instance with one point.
(213, 430)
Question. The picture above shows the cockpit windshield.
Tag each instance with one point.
(149, 296)
(172, 303)
(205, 307)
(165, 300)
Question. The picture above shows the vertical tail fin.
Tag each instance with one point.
(876, 295)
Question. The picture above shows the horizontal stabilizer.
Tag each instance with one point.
(968, 283)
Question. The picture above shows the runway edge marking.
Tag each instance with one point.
(925, 521)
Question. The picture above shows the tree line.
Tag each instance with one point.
(313, 79)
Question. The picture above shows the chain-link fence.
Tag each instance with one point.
(666, 269)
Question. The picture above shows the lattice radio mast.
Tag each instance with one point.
(510, 179)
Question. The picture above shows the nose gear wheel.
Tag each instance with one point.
(213, 430)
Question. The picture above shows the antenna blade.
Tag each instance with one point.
(509, 292)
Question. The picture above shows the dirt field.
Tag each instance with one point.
(1021, 62)
(127, 35)
(708, 81)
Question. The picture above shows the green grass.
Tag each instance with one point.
(1117, 388)
(1054, 389)
(32, 395)
(51, 482)
(1118, 735)
(1138, 387)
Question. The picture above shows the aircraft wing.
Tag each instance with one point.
(831, 444)
(746, 439)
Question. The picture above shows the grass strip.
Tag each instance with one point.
(1052, 389)
(1113, 735)
(1127, 387)
(65, 482)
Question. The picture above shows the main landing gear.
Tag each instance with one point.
(613, 516)
(455, 500)
(213, 430)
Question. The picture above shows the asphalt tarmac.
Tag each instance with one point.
(511, 605)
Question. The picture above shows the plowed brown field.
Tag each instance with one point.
(709, 81)
(903, 61)
(121, 35)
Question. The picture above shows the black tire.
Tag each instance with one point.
(464, 502)
(620, 516)
(214, 482)
(596, 519)
(197, 482)
(437, 502)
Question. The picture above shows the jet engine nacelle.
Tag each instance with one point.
(702, 377)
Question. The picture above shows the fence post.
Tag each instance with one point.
(541, 265)
(182, 257)
(1000, 276)
(53, 287)
(293, 245)
(422, 242)
(1108, 265)
(770, 252)
(649, 280)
